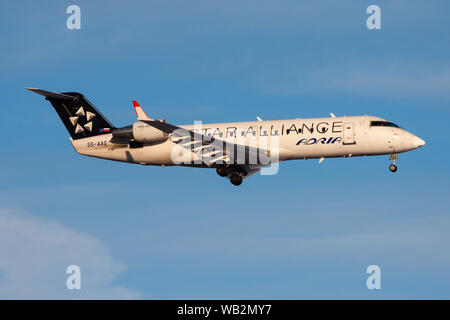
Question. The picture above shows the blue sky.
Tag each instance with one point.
(148, 232)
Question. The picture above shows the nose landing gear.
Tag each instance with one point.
(393, 167)
(393, 157)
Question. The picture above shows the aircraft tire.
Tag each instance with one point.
(222, 171)
(235, 179)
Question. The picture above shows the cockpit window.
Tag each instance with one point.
(383, 124)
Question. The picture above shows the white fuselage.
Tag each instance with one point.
(295, 139)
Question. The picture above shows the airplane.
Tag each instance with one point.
(236, 150)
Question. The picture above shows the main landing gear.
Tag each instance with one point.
(235, 173)
(393, 157)
(236, 179)
(222, 171)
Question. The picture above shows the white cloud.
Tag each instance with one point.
(34, 255)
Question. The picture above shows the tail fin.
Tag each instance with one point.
(79, 116)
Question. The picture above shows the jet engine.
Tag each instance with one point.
(140, 132)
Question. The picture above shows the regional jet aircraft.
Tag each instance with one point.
(237, 149)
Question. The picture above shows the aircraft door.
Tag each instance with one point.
(349, 133)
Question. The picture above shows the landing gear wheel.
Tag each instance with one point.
(222, 171)
(393, 157)
(235, 179)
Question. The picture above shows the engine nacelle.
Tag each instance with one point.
(143, 132)
(140, 132)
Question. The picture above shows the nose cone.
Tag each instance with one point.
(418, 142)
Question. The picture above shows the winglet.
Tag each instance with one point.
(141, 115)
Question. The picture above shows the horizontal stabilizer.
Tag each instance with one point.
(52, 95)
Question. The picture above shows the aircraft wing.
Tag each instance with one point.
(213, 151)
